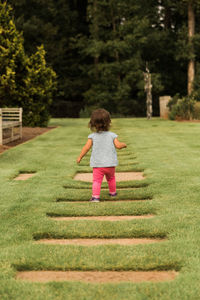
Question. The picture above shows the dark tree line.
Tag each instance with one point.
(99, 50)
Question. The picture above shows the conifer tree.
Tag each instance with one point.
(24, 81)
(40, 85)
(13, 60)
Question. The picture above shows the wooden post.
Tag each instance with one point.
(164, 109)
(1, 128)
(20, 119)
(147, 88)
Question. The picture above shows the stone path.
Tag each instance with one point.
(97, 276)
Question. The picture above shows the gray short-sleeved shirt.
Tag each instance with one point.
(103, 149)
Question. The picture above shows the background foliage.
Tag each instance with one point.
(99, 50)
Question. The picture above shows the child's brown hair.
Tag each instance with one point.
(100, 120)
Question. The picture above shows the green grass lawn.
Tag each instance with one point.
(169, 154)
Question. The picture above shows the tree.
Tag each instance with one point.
(13, 60)
(40, 85)
(24, 81)
(189, 43)
(118, 35)
(59, 25)
(100, 59)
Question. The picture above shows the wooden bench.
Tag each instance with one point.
(10, 124)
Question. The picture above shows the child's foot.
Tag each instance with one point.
(112, 194)
(94, 199)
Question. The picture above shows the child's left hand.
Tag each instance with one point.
(78, 160)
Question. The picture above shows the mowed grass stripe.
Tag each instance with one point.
(120, 184)
(105, 208)
(153, 256)
(142, 228)
(85, 195)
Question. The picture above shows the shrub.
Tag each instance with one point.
(197, 111)
(181, 108)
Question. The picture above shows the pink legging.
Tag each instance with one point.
(98, 174)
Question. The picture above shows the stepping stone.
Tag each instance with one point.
(24, 176)
(95, 242)
(97, 276)
(102, 218)
(102, 201)
(121, 188)
(120, 176)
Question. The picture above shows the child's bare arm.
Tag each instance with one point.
(85, 149)
(119, 145)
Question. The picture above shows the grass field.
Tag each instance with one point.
(169, 154)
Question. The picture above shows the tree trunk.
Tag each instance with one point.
(148, 87)
(191, 32)
(115, 35)
(96, 35)
(167, 18)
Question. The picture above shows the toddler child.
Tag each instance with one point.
(104, 156)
